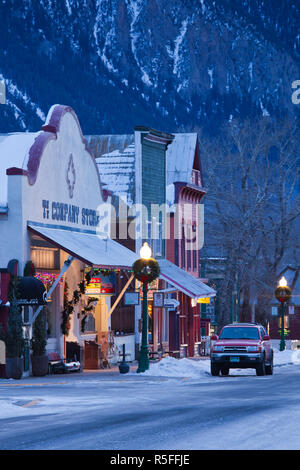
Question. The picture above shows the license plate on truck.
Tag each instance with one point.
(234, 359)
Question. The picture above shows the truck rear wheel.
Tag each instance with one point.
(225, 370)
(214, 369)
(269, 368)
(261, 368)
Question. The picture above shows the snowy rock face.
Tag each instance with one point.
(176, 65)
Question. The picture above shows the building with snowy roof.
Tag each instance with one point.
(152, 167)
(51, 196)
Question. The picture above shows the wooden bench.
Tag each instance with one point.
(154, 355)
(57, 365)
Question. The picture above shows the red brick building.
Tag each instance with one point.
(185, 190)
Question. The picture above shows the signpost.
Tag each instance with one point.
(131, 298)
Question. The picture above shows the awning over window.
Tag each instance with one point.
(184, 281)
(107, 253)
(87, 247)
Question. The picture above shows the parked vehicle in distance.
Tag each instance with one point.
(241, 346)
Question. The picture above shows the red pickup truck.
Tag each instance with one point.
(242, 346)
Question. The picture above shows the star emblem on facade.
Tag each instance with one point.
(71, 176)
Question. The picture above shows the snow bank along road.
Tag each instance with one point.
(175, 405)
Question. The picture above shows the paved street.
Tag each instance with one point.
(106, 410)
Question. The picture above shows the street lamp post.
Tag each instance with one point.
(282, 293)
(144, 354)
(145, 269)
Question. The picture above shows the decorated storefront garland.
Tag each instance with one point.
(69, 305)
(67, 311)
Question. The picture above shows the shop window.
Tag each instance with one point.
(45, 258)
(182, 247)
(165, 325)
(286, 322)
(195, 260)
(154, 237)
(89, 325)
(189, 247)
(157, 239)
(189, 260)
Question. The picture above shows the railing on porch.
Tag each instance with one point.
(106, 340)
(161, 352)
(205, 346)
(183, 350)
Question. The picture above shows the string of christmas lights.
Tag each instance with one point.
(48, 279)
(103, 270)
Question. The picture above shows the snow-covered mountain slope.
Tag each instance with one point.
(174, 65)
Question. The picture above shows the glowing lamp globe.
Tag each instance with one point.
(145, 251)
(283, 292)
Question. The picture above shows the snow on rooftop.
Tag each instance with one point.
(115, 158)
(179, 161)
(14, 151)
(104, 144)
(180, 157)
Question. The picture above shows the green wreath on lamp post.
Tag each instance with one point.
(146, 270)
(283, 294)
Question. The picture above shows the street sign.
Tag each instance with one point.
(171, 303)
(204, 300)
(158, 299)
(131, 298)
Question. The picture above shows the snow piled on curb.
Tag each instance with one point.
(287, 357)
(171, 367)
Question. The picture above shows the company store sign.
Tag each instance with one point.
(63, 212)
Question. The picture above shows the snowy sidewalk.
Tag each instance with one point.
(70, 377)
(195, 368)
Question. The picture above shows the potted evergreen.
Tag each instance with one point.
(39, 358)
(14, 340)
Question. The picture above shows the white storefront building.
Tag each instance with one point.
(50, 193)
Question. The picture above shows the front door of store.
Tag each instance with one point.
(91, 355)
